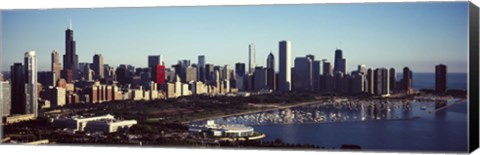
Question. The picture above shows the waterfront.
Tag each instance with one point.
(387, 126)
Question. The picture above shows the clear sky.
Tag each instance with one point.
(417, 35)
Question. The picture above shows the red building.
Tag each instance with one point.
(159, 74)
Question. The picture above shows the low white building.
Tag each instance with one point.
(105, 124)
(109, 125)
(223, 130)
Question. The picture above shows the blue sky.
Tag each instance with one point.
(417, 35)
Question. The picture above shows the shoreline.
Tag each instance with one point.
(318, 101)
(351, 121)
(446, 106)
(255, 111)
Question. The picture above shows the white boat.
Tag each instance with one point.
(423, 107)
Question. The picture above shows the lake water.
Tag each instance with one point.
(392, 126)
(427, 80)
(443, 131)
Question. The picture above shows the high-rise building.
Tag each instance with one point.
(327, 67)
(382, 81)
(251, 58)
(201, 68)
(271, 72)
(385, 81)
(18, 98)
(191, 74)
(201, 60)
(370, 81)
(362, 69)
(47, 78)
(31, 83)
(240, 76)
(57, 96)
(407, 80)
(302, 77)
(377, 77)
(316, 74)
(154, 60)
(208, 72)
(226, 72)
(441, 78)
(260, 77)
(358, 83)
(158, 75)
(340, 62)
(98, 66)
(393, 79)
(338, 81)
(56, 65)
(284, 72)
(240, 69)
(181, 69)
(70, 59)
(5, 98)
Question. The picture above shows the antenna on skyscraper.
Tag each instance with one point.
(70, 24)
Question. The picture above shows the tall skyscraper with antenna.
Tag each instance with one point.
(70, 59)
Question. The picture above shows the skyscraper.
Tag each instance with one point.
(5, 98)
(46, 78)
(158, 74)
(441, 78)
(201, 68)
(18, 89)
(240, 76)
(31, 83)
(381, 84)
(260, 78)
(385, 81)
(56, 65)
(316, 74)
(327, 67)
(70, 59)
(201, 61)
(393, 79)
(407, 80)
(271, 72)
(362, 69)
(251, 58)
(98, 66)
(340, 62)
(284, 73)
(302, 77)
(370, 81)
(154, 60)
(226, 72)
(190, 74)
(208, 72)
(377, 77)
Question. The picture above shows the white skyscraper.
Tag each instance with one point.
(251, 58)
(31, 83)
(284, 79)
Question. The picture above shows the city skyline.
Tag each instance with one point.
(453, 35)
